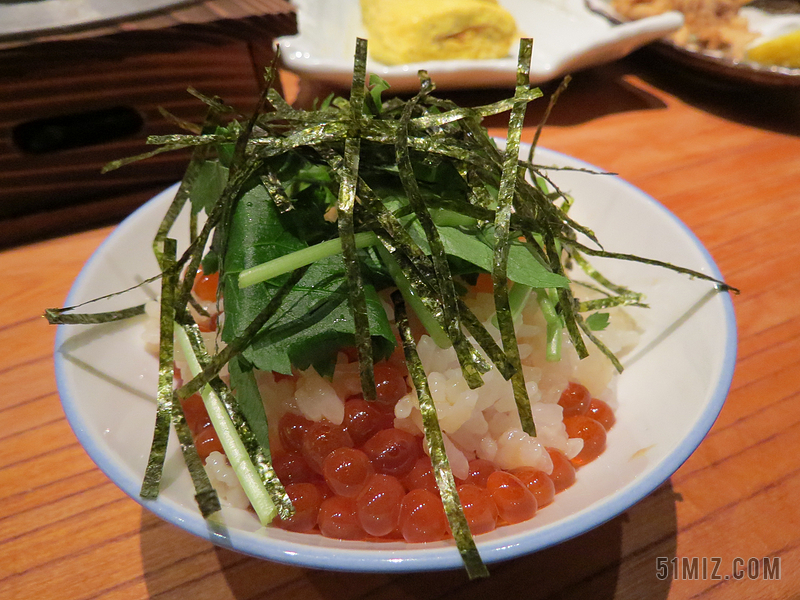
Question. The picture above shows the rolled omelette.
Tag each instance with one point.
(404, 31)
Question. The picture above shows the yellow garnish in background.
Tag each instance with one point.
(782, 51)
(404, 31)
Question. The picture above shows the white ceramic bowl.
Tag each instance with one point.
(669, 395)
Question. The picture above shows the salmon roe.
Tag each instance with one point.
(337, 519)
(563, 474)
(393, 451)
(593, 435)
(515, 502)
(421, 476)
(479, 471)
(367, 479)
(422, 517)
(601, 412)
(306, 499)
(205, 286)
(575, 400)
(479, 508)
(378, 504)
(346, 471)
(539, 483)
(321, 439)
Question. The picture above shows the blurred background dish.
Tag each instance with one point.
(763, 21)
(22, 18)
(567, 37)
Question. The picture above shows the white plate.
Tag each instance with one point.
(669, 396)
(567, 37)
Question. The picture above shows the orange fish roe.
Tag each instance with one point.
(366, 479)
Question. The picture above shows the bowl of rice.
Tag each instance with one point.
(678, 356)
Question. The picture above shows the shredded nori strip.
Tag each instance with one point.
(720, 285)
(166, 374)
(502, 224)
(345, 208)
(433, 434)
(205, 494)
(441, 267)
(58, 316)
(600, 345)
(550, 104)
(258, 455)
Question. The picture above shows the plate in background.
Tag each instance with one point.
(567, 37)
(714, 62)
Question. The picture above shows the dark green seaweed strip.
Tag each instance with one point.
(407, 275)
(600, 345)
(502, 225)
(205, 495)
(485, 341)
(592, 272)
(198, 307)
(477, 113)
(433, 434)
(248, 396)
(345, 208)
(438, 255)
(410, 258)
(158, 448)
(214, 103)
(273, 185)
(433, 146)
(56, 316)
(182, 123)
(257, 454)
(199, 155)
(565, 298)
(236, 179)
(212, 367)
(116, 164)
(550, 104)
(721, 285)
(185, 140)
(610, 302)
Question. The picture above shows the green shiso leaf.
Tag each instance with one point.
(433, 435)
(522, 267)
(314, 319)
(235, 346)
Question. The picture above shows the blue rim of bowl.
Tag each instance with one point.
(405, 560)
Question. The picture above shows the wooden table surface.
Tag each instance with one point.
(725, 160)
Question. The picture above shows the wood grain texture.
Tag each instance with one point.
(128, 72)
(726, 162)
